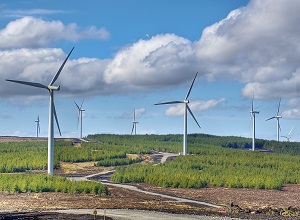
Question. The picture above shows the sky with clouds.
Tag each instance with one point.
(131, 55)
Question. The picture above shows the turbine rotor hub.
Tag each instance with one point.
(186, 101)
(56, 88)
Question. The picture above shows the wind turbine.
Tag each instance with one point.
(51, 88)
(252, 112)
(277, 116)
(80, 110)
(38, 129)
(186, 107)
(288, 137)
(134, 122)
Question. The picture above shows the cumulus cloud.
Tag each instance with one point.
(40, 65)
(160, 61)
(257, 45)
(293, 111)
(33, 32)
(195, 106)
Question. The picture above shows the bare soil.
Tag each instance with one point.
(244, 203)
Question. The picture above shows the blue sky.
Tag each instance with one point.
(132, 54)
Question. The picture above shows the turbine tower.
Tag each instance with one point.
(252, 113)
(52, 112)
(38, 129)
(288, 137)
(186, 107)
(277, 116)
(80, 110)
(134, 122)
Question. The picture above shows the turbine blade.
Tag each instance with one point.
(290, 131)
(187, 95)
(55, 115)
(78, 119)
(279, 125)
(250, 121)
(60, 69)
(270, 118)
(166, 103)
(193, 115)
(278, 106)
(81, 104)
(77, 106)
(132, 128)
(134, 115)
(39, 85)
(252, 109)
(39, 128)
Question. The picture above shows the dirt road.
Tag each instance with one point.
(121, 214)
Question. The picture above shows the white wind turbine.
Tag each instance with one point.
(38, 129)
(134, 122)
(252, 112)
(52, 111)
(186, 107)
(288, 137)
(80, 110)
(277, 116)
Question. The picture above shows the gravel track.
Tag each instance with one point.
(122, 214)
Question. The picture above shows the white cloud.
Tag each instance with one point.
(160, 61)
(40, 65)
(139, 112)
(257, 45)
(293, 106)
(29, 12)
(32, 32)
(291, 113)
(195, 106)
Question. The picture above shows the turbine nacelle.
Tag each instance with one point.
(186, 101)
(54, 88)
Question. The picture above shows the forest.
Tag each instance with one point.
(213, 160)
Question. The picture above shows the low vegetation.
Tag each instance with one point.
(214, 160)
(218, 167)
(45, 183)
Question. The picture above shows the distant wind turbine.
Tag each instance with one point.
(186, 107)
(134, 122)
(288, 137)
(80, 110)
(38, 130)
(52, 111)
(252, 112)
(277, 116)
